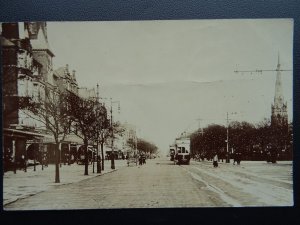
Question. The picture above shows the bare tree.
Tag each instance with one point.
(105, 135)
(143, 146)
(100, 128)
(51, 111)
(83, 112)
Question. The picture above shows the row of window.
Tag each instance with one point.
(24, 60)
(27, 86)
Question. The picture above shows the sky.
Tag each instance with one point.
(178, 75)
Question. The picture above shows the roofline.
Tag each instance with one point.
(44, 49)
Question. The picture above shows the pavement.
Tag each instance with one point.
(24, 184)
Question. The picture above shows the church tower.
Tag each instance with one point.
(279, 117)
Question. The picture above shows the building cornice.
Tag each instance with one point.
(44, 50)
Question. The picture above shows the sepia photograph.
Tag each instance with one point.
(147, 114)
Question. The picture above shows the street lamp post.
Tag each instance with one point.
(102, 153)
(227, 139)
(136, 150)
(112, 133)
(97, 155)
(42, 158)
(112, 138)
(93, 158)
(14, 155)
(60, 148)
(227, 144)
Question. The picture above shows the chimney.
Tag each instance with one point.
(10, 30)
(21, 30)
(67, 69)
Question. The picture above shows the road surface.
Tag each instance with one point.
(160, 183)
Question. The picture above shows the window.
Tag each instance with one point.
(21, 87)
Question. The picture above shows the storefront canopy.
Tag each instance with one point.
(21, 133)
(73, 139)
(45, 138)
(70, 138)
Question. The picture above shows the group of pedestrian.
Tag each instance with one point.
(142, 159)
(236, 159)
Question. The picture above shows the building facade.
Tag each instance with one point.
(21, 74)
(27, 68)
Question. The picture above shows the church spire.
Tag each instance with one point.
(278, 62)
(278, 99)
(279, 108)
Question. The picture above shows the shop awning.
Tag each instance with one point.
(45, 138)
(70, 138)
(22, 133)
(73, 139)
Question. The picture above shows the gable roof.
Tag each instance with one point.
(41, 43)
(6, 43)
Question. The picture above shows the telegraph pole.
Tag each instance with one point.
(102, 136)
(199, 126)
(98, 157)
(112, 138)
(112, 133)
(227, 144)
(227, 139)
(136, 150)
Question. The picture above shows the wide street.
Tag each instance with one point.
(160, 183)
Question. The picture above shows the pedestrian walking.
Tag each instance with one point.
(215, 160)
(23, 162)
(234, 158)
(238, 158)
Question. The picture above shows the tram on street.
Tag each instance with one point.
(172, 152)
(182, 151)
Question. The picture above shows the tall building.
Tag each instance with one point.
(64, 80)
(37, 33)
(279, 117)
(21, 74)
(20, 71)
(27, 74)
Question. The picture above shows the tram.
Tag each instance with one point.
(182, 151)
(172, 152)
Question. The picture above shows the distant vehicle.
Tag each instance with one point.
(30, 162)
(182, 151)
(172, 152)
(81, 155)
